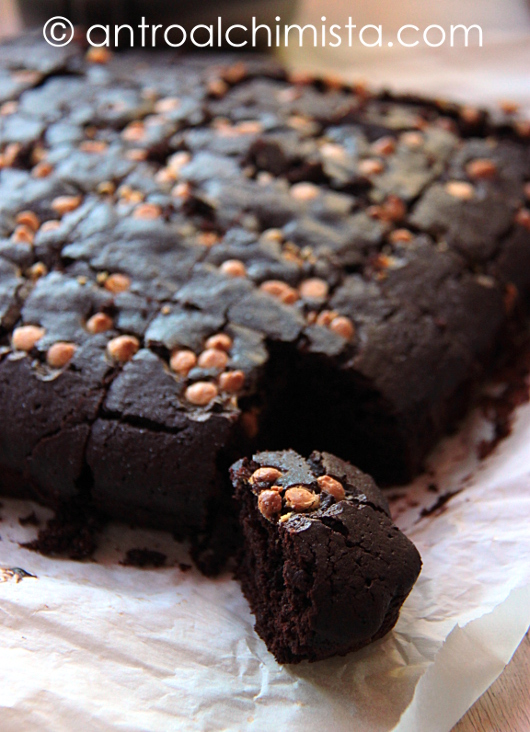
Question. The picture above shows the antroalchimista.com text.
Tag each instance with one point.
(324, 35)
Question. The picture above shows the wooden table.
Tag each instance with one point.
(505, 707)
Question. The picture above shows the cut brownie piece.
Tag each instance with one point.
(323, 566)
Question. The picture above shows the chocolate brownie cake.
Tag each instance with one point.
(323, 567)
(203, 256)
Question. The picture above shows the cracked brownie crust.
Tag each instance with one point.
(199, 255)
(322, 565)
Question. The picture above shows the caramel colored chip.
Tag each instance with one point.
(394, 208)
(10, 154)
(167, 104)
(333, 487)
(36, 271)
(93, 146)
(123, 348)
(471, 115)
(304, 191)
(314, 289)
(280, 290)
(106, 188)
(134, 132)
(481, 169)
(66, 204)
(265, 476)
(147, 211)
(99, 323)
(42, 169)
(182, 362)
(460, 189)
(233, 268)
(370, 167)
(177, 161)
(129, 195)
(232, 381)
(522, 217)
(326, 317)
(25, 337)
(8, 108)
(272, 235)
(29, 219)
(412, 139)
(23, 235)
(400, 236)
(165, 176)
(100, 55)
(235, 73)
(60, 354)
(51, 225)
(384, 146)
(269, 503)
(343, 327)
(117, 283)
(201, 393)
(217, 87)
(219, 341)
(301, 499)
(208, 238)
(137, 155)
(249, 127)
(508, 106)
(212, 358)
(333, 152)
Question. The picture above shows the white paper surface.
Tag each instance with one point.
(98, 646)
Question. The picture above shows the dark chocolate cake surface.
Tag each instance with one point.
(200, 255)
(322, 565)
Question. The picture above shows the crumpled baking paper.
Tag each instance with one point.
(101, 646)
(97, 646)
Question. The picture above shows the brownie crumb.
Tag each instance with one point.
(185, 567)
(144, 558)
(29, 520)
(393, 497)
(70, 533)
(439, 505)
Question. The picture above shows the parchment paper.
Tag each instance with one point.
(98, 646)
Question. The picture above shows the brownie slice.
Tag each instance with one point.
(323, 566)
